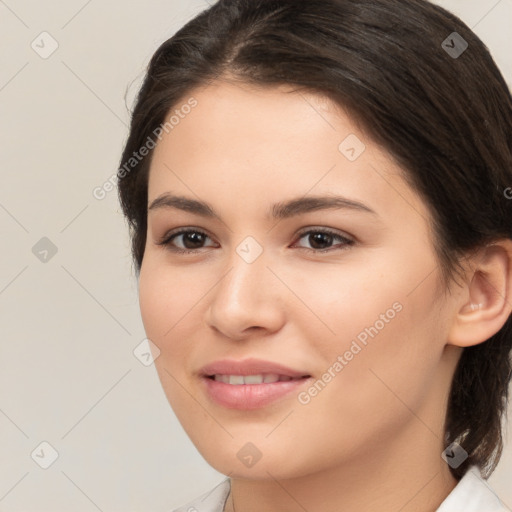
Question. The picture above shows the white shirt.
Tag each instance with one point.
(471, 494)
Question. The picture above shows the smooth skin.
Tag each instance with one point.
(372, 438)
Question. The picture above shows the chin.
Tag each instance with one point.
(235, 462)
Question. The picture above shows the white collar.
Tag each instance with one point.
(472, 494)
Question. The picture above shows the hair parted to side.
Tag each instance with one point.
(446, 121)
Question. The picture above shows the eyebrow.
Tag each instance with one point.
(281, 210)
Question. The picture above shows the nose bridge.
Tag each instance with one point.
(247, 265)
(244, 296)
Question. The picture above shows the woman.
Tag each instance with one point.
(317, 199)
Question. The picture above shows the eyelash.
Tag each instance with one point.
(168, 238)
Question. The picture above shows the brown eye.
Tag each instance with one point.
(191, 240)
(321, 240)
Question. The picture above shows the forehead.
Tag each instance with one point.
(248, 147)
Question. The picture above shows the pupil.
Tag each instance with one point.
(319, 238)
(195, 238)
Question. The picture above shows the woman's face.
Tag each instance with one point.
(363, 325)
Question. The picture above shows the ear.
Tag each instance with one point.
(485, 303)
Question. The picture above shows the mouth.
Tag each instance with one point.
(250, 392)
(250, 383)
(262, 378)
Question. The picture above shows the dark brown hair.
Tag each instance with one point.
(442, 111)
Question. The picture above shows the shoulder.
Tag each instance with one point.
(211, 501)
(472, 494)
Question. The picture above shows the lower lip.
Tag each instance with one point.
(250, 396)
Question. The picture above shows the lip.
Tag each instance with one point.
(250, 396)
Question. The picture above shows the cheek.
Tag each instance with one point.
(386, 330)
(345, 303)
(392, 365)
(165, 303)
(166, 296)
(153, 302)
(172, 301)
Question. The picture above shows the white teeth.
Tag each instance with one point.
(253, 379)
(237, 380)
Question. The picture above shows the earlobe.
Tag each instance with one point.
(487, 302)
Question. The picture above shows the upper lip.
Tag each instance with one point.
(251, 366)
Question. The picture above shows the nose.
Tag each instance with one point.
(247, 301)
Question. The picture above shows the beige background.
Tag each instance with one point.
(69, 326)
